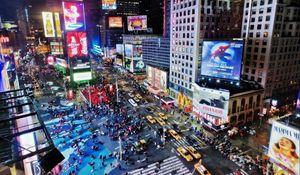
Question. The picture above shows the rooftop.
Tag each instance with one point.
(292, 120)
(234, 87)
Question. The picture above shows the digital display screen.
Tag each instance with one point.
(139, 66)
(109, 4)
(222, 59)
(74, 16)
(48, 24)
(77, 44)
(136, 23)
(137, 51)
(115, 22)
(128, 50)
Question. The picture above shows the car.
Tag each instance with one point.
(150, 119)
(140, 145)
(136, 99)
(201, 169)
(149, 109)
(139, 96)
(191, 141)
(132, 102)
(193, 152)
(163, 116)
(160, 121)
(185, 154)
(174, 134)
(130, 95)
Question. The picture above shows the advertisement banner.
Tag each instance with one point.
(109, 4)
(120, 49)
(57, 25)
(128, 64)
(139, 66)
(137, 51)
(56, 48)
(61, 62)
(157, 78)
(74, 16)
(284, 146)
(211, 101)
(128, 50)
(48, 24)
(136, 23)
(298, 101)
(82, 76)
(115, 22)
(222, 59)
(77, 44)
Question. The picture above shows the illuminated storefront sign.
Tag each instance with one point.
(48, 24)
(56, 48)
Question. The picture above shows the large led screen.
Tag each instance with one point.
(56, 48)
(77, 44)
(57, 25)
(139, 66)
(115, 22)
(120, 49)
(157, 77)
(136, 23)
(74, 16)
(211, 101)
(48, 24)
(137, 51)
(222, 59)
(109, 4)
(82, 76)
(284, 146)
(128, 50)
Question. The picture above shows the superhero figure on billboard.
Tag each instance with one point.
(221, 53)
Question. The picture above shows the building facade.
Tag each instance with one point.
(272, 31)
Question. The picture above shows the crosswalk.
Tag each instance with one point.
(169, 166)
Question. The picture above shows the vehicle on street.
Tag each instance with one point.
(140, 145)
(150, 119)
(130, 95)
(160, 121)
(201, 169)
(132, 102)
(174, 134)
(185, 154)
(163, 116)
(139, 96)
(149, 109)
(136, 99)
(193, 152)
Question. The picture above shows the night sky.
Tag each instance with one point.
(8, 9)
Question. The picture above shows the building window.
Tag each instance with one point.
(243, 104)
(258, 101)
(234, 107)
(250, 102)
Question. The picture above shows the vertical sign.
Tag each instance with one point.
(57, 25)
(48, 24)
(74, 16)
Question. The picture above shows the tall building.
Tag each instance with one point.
(112, 36)
(191, 23)
(272, 32)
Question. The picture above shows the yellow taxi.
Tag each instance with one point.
(163, 116)
(160, 121)
(150, 119)
(194, 152)
(174, 134)
(201, 169)
(185, 154)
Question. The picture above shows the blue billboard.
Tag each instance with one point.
(222, 59)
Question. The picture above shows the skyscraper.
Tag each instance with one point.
(271, 29)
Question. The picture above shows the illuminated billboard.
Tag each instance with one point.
(109, 4)
(115, 22)
(128, 50)
(56, 48)
(136, 23)
(284, 146)
(74, 16)
(137, 51)
(82, 76)
(298, 101)
(128, 64)
(139, 66)
(211, 101)
(57, 25)
(120, 49)
(157, 78)
(222, 59)
(77, 44)
(48, 24)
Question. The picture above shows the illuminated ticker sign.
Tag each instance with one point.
(74, 16)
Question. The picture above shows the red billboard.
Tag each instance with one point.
(77, 44)
(74, 16)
